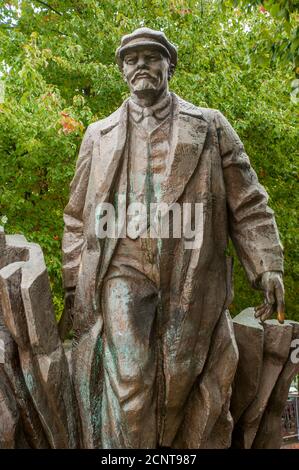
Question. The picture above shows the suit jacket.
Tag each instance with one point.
(207, 164)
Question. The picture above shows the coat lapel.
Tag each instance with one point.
(110, 164)
(111, 146)
(187, 141)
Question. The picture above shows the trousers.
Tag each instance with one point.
(132, 379)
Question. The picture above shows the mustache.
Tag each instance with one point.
(142, 72)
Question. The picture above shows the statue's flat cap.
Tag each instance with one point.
(146, 37)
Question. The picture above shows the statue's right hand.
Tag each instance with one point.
(66, 320)
(272, 285)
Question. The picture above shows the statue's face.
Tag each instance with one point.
(145, 70)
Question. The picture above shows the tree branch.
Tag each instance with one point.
(49, 6)
(59, 32)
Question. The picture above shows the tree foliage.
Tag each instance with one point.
(57, 63)
(282, 41)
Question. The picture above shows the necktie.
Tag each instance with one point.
(149, 122)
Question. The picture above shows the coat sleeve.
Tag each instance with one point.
(252, 225)
(73, 236)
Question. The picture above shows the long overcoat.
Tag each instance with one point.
(207, 164)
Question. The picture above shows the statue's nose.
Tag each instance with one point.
(141, 63)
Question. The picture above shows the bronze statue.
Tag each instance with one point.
(155, 354)
(155, 360)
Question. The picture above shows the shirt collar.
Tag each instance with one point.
(159, 110)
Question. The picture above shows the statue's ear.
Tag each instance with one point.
(171, 70)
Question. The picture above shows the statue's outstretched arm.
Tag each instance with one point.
(252, 223)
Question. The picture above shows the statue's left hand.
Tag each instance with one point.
(272, 285)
